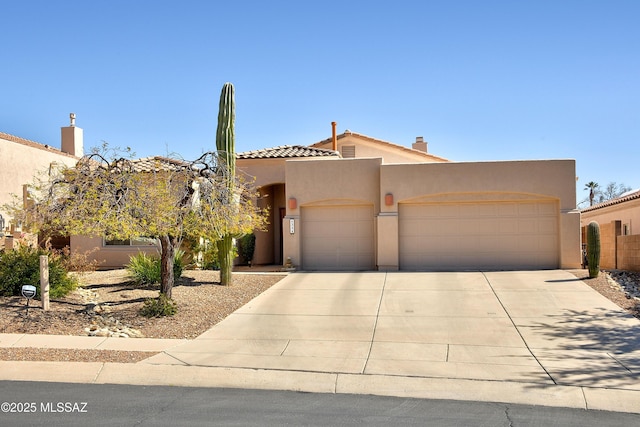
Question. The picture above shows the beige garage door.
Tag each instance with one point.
(337, 238)
(465, 236)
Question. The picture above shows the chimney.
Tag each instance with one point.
(72, 138)
(420, 144)
(334, 137)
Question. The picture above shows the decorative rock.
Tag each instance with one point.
(625, 281)
(101, 324)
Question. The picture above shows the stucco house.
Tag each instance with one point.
(625, 209)
(21, 159)
(353, 202)
(619, 221)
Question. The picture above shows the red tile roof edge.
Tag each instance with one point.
(616, 201)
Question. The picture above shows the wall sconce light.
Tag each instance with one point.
(293, 203)
(388, 199)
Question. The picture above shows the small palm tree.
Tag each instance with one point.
(591, 186)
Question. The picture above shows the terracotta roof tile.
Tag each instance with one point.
(287, 151)
(33, 144)
(158, 163)
(618, 200)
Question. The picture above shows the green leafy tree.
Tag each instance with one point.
(113, 196)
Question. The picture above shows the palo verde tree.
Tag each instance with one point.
(116, 197)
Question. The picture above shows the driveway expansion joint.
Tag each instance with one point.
(518, 329)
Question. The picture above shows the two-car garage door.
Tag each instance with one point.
(337, 238)
(462, 236)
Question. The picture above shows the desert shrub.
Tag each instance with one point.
(248, 247)
(158, 307)
(79, 262)
(210, 259)
(145, 269)
(204, 253)
(21, 267)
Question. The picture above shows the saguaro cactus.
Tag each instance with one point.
(226, 145)
(593, 248)
(225, 134)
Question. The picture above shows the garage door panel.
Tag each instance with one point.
(486, 211)
(548, 226)
(547, 209)
(337, 238)
(527, 209)
(507, 209)
(503, 235)
(528, 226)
(508, 226)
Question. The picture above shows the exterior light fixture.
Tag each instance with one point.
(388, 199)
(293, 203)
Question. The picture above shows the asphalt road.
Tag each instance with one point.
(64, 404)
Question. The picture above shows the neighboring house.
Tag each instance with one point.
(625, 209)
(371, 204)
(619, 221)
(22, 159)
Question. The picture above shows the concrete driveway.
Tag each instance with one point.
(538, 327)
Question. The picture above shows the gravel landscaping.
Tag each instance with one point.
(108, 304)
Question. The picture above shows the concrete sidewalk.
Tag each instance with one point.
(540, 337)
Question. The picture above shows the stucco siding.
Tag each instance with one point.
(108, 256)
(498, 215)
(20, 164)
(628, 213)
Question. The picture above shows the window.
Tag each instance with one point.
(134, 241)
(626, 229)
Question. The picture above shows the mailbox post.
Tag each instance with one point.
(29, 292)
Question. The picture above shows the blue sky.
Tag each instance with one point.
(480, 80)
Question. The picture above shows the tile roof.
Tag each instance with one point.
(158, 163)
(33, 144)
(379, 141)
(625, 198)
(287, 151)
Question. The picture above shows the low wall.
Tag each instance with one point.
(608, 253)
(628, 252)
(617, 252)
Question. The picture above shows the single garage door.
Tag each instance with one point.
(337, 238)
(468, 236)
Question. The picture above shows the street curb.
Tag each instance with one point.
(616, 400)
